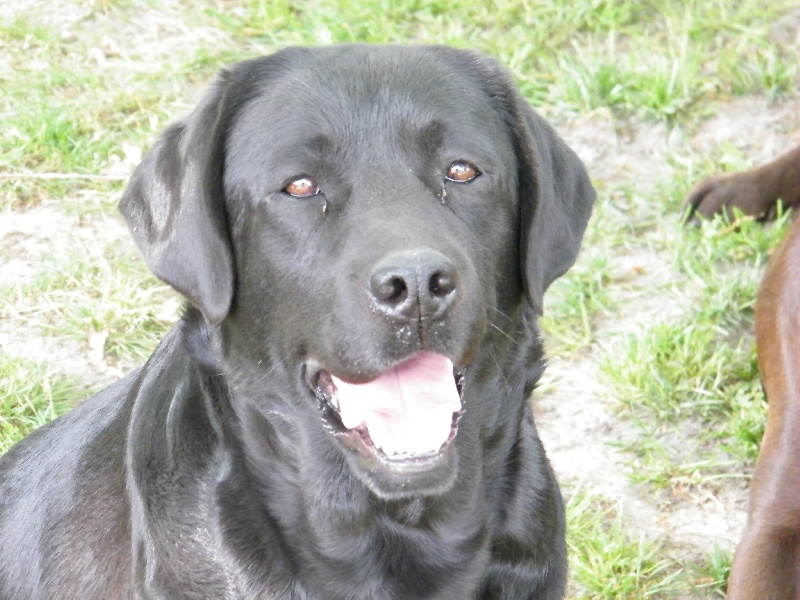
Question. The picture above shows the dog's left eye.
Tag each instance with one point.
(462, 172)
(302, 187)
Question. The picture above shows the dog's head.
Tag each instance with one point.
(364, 222)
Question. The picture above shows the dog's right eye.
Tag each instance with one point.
(302, 187)
(462, 172)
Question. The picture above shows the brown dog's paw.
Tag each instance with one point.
(723, 193)
(754, 192)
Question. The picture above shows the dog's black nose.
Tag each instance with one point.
(414, 284)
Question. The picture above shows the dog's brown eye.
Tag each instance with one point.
(462, 172)
(302, 187)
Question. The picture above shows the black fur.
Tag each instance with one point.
(209, 472)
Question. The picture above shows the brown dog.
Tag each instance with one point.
(766, 565)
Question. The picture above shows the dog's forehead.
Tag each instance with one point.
(350, 92)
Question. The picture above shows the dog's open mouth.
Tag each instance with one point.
(407, 416)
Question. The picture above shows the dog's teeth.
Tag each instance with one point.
(327, 389)
(394, 453)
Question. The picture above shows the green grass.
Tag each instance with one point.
(574, 303)
(30, 396)
(660, 86)
(609, 562)
(73, 106)
(700, 367)
(64, 118)
(712, 574)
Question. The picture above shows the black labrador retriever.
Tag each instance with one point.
(363, 235)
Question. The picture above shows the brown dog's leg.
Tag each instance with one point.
(766, 565)
(755, 192)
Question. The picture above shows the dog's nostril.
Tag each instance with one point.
(390, 289)
(395, 290)
(441, 284)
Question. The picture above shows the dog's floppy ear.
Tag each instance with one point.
(556, 198)
(174, 207)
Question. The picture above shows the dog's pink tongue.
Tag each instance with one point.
(407, 410)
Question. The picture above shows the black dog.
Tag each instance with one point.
(364, 235)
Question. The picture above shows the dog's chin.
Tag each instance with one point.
(397, 473)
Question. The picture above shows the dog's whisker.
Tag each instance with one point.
(499, 368)
(501, 313)
(503, 333)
